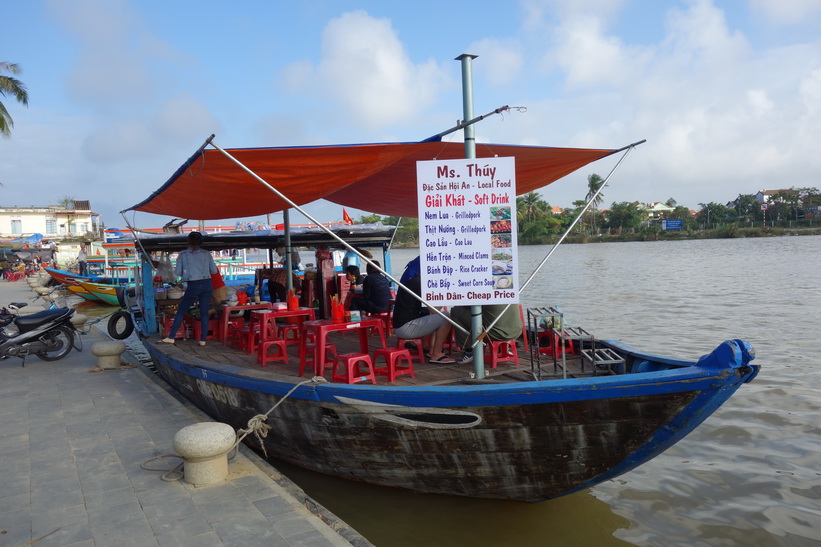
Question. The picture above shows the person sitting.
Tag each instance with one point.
(509, 327)
(376, 292)
(411, 319)
(277, 281)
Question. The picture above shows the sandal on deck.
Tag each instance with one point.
(443, 360)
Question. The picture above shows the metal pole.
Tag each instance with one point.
(470, 153)
(289, 282)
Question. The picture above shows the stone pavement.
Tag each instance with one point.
(72, 442)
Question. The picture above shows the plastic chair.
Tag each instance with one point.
(329, 358)
(393, 360)
(501, 352)
(351, 372)
(419, 349)
(264, 356)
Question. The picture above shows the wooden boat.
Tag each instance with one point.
(107, 294)
(508, 436)
(514, 434)
(66, 277)
(82, 292)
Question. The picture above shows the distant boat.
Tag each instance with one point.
(82, 292)
(107, 294)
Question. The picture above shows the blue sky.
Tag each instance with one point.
(727, 94)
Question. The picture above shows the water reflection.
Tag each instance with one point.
(389, 516)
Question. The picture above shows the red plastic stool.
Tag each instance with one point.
(393, 357)
(264, 356)
(233, 323)
(310, 351)
(352, 373)
(501, 352)
(213, 329)
(419, 351)
(283, 332)
(546, 342)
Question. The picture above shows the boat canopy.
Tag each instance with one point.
(379, 178)
(360, 235)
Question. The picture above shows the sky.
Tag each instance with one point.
(727, 94)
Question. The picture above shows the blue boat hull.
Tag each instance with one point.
(526, 441)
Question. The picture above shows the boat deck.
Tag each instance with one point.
(425, 374)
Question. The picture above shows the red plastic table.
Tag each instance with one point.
(269, 317)
(323, 327)
(226, 312)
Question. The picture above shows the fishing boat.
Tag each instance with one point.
(105, 293)
(542, 422)
(81, 291)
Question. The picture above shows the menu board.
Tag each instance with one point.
(467, 235)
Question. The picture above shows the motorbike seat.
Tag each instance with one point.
(35, 319)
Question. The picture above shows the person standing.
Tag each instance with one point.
(82, 259)
(194, 266)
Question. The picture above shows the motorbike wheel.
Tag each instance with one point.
(120, 325)
(62, 338)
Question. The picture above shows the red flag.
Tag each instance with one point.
(346, 218)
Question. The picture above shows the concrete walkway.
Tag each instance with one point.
(71, 445)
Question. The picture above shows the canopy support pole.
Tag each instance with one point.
(325, 229)
(289, 263)
(470, 153)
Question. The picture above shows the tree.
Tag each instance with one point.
(594, 182)
(712, 212)
(369, 219)
(14, 87)
(530, 207)
(625, 215)
(746, 207)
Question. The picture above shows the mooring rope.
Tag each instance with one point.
(256, 425)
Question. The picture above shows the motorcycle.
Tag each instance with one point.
(48, 334)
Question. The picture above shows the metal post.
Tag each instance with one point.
(470, 153)
(289, 282)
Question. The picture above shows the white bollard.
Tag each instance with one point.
(204, 447)
(108, 353)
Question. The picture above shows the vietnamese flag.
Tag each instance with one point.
(346, 218)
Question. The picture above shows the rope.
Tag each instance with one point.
(168, 471)
(256, 425)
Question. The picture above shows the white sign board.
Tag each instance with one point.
(467, 231)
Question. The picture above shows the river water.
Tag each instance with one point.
(750, 475)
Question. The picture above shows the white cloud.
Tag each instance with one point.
(365, 68)
(502, 60)
(787, 11)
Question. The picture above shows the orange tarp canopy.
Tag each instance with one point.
(378, 178)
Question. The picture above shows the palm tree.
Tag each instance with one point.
(14, 87)
(594, 182)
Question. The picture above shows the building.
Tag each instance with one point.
(76, 219)
(658, 210)
(764, 196)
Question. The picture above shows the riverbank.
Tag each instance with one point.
(724, 232)
(73, 440)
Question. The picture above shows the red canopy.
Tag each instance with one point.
(379, 178)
